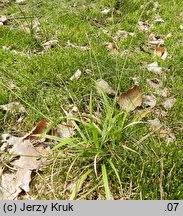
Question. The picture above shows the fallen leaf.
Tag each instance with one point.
(105, 10)
(149, 100)
(153, 67)
(158, 20)
(50, 44)
(76, 75)
(13, 107)
(168, 135)
(29, 26)
(164, 92)
(168, 103)
(161, 52)
(155, 83)
(111, 47)
(64, 131)
(82, 48)
(90, 72)
(130, 99)
(155, 40)
(40, 128)
(155, 6)
(3, 19)
(20, 2)
(102, 85)
(144, 26)
(136, 80)
(13, 183)
(154, 124)
(123, 34)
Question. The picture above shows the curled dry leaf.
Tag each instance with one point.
(168, 135)
(153, 67)
(76, 75)
(130, 99)
(82, 48)
(111, 47)
(123, 34)
(50, 44)
(144, 26)
(161, 52)
(155, 83)
(13, 107)
(168, 103)
(158, 20)
(105, 10)
(149, 100)
(155, 40)
(3, 19)
(102, 85)
(136, 80)
(40, 128)
(154, 124)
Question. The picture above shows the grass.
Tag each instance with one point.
(104, 160)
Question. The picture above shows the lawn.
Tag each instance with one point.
(114, 153)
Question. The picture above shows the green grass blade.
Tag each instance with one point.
(62, 143)
(106, 183)
(79, 184)
(116, 172)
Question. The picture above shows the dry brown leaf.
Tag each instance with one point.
(105, 10)
(161, 52)
(29, 26)
(102, 85)
(40, 128)
(13, 183)
(168, 103)
(154, 124)
(130, 99)
(153, 67)
(149, 100)
(155, 40)
(111, 47)
(155, 6)
(144, 26)
(155, 83)
(13, 107)
(82, 48)
(20, 2)
(50, 44)
(168, 135)
(76, 75)
(158, 20)
(64, 131)
(3, 19)
(123, 34)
